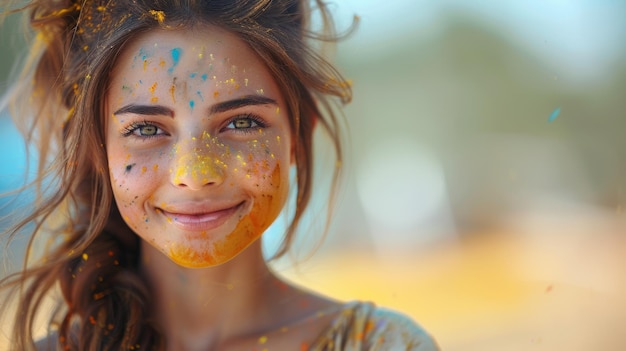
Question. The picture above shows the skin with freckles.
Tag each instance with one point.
(198, 144)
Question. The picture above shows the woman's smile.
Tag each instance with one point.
(196, 217)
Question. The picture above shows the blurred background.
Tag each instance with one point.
(485, 183)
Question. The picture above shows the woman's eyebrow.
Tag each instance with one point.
(247, 100)
(155, 110)
(152, 110)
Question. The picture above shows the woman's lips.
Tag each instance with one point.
(200, 221)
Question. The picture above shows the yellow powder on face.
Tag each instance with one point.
(155, 167)
(241, 161)
(153, 87)
(144, 169)
(198, 168)
(154, 99)
(260, 91)
(249, 228)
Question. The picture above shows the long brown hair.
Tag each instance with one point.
(59, 108)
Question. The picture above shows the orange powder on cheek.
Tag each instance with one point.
(264, 211)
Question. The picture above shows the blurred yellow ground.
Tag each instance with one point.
(556, 288)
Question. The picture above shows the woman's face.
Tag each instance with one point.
(198, 144)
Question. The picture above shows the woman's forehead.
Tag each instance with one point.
(194, 58)
(209, 45)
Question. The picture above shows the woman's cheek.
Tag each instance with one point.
(260, 157)
(132, 182)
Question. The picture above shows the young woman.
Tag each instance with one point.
(166, 130)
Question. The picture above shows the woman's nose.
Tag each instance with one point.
(196, 168)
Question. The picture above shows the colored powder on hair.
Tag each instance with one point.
(158, 15)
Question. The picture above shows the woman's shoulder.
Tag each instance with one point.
(365, 326)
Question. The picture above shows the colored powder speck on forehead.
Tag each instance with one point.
(176, 52)
(143, 54)
(204, 77)
(173, 91)
(192, 104)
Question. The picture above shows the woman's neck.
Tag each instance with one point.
(203, 308)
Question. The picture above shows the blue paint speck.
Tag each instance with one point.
(205, 76)
(554, 114)
(175, 58)
(193, 75)
(192, 104)
(200, 95)
(143, 54)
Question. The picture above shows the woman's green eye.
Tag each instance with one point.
(148, 130)
(143, 130)
(243, 123)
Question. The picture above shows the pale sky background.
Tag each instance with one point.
(591, 30)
